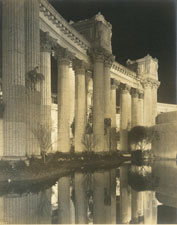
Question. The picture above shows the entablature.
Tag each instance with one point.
(126, 76)
(66, 36)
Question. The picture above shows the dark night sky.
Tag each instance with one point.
(139, 27)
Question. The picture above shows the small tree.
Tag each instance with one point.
(140, 137)
(43, 135)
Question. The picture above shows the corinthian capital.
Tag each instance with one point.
(79, 66)
(125, 88)
(150, 83)
(97, 54)
(134, 92)
(114, 83)
(63, 55)
(47, 42)
(109, 59)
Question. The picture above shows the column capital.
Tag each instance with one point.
(63, 55)
(79, 66)
(141, 95)
(125, 88)
(109, 59)
(134, 92)
(114, 83)
(47, 42)
(150, 83)
(97, 54)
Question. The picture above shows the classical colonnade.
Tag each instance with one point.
(26, 76)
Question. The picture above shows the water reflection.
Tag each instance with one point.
(144, 194)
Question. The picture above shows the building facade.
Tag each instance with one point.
(90, 83)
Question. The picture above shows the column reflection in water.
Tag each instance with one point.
(81, 185)
(104, 197)
(65, 206)
(26, 209)
(144, 203)
(125, 195)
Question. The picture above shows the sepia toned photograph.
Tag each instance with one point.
(88, 112)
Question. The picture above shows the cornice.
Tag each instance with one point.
(60, 23)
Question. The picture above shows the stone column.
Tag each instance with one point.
(80, 105)
(140, 109)
(147, 103)
(107, 112)
(64, 58)
(134, 109)
(13, 78)
(154, 101)
(125, 117)
(80, 198)
(114, 85)
(98, 101)
(45, 69)
(32, 65)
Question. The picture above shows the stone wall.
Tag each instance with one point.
(165, 144)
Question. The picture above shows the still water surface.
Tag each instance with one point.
(129, 194)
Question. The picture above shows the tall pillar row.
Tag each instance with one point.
(13, 70)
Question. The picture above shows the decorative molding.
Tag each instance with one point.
(60, 23)
(117, 66)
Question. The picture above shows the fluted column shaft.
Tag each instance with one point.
(107, 112)
(63, 101)
(45, 69)
(154, 103)
(147, 104)
(98, 102)
(32, 62)
(114, 85)
(125, 117)
(13, 70)
(134, 110)
(80, 105)
(140, 109)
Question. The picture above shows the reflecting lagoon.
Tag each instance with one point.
(145, 194)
